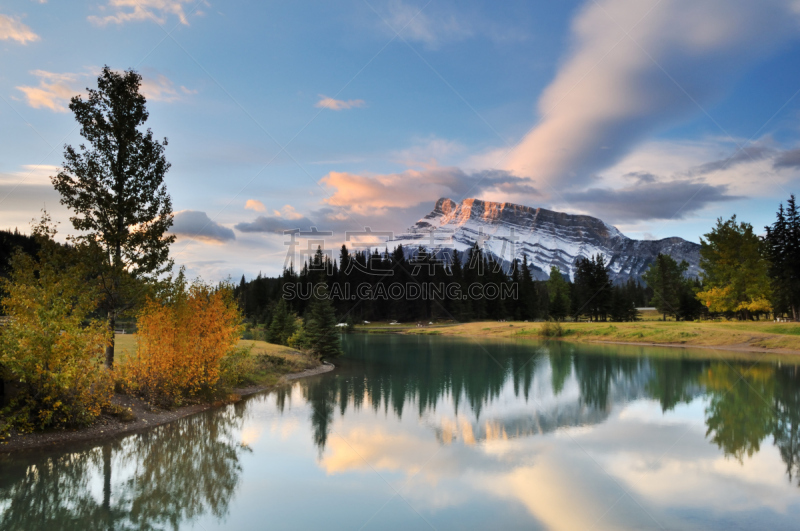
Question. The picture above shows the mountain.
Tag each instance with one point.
(546, 237)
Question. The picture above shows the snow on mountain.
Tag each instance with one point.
(547, 238)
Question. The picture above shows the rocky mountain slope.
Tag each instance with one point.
(546, 237)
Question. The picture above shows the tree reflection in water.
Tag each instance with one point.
(179, 472)
(154, 480)
(746, 402)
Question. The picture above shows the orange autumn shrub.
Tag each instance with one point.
(181, 344)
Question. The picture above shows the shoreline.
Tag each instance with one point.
(108, 427)
(777, 339)
(732, 348)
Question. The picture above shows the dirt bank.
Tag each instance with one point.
(108, 426)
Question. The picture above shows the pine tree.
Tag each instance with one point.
(782, 247)
(592, 287)
(320, 325)
(666, 277)
(527, 293)
(559, 295)
(283, 325)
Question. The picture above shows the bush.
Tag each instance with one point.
(182, 342)
(50, 347)
(551, 329)
(236, 368)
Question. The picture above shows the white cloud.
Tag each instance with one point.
(53, 92)
(428, 153)
(11, 28)
(422, 24)
(158, 87)
(337, 105)
(141, 10)
(55, 89)
(31, 174)
(612, 91)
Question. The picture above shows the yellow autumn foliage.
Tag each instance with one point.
(182, 341)
(51, 348)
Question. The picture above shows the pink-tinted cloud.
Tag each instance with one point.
(253, 204)
(337, 105)
(11, 28)
(140, 10)
(637, 67)
(53, 92)
(374, 194)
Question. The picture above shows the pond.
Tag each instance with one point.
(418, 432)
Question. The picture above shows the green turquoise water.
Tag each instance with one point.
(421, 432)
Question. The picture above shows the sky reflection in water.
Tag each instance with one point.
(420, 432)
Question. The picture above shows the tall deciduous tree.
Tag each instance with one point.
(115, 187)
(735, 278)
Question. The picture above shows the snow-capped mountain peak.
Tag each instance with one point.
(546, 237)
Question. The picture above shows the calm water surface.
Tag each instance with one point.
(449, 433)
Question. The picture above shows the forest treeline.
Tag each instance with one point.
(475, 272)
(743, 276)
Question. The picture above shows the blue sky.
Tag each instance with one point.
(657, 117)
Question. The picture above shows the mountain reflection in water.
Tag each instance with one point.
(480, 431)
(747, 402)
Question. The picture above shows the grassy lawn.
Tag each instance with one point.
(269, 362)
(753, 334)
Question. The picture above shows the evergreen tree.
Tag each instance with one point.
(592, 287)
(529, 307)
(559, 294)
(782, 246)
(623, 305)
(324, 339)
(666, 277)
(283, 324)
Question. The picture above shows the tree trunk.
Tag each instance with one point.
(107, 485)
(112, 322)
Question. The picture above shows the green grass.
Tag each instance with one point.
(268, 362)
(737, 334)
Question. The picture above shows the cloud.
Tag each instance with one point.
(198, 226)
(613, 90)
(253, 204)
(740, 156)
(11, 28)
(31, 174)
(337, 105)
(158, 87)
(649, 199)
(53, 92)
(423, 24)
(141, 10)
(788, 159)
(275, 224)
(429, 152)
(374, 194)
